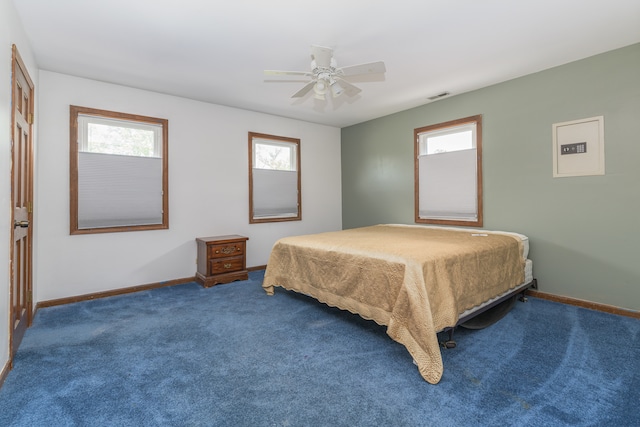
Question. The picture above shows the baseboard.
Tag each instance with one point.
(5, 372)
(105, 294)
(122, 291)
(585, 304)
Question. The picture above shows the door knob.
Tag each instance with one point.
(22, 224)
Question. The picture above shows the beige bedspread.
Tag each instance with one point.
(415, 280)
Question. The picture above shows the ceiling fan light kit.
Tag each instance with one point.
(336, 89)
(320, 88)
(326, 76)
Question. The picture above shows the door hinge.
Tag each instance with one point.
(30, 118)
(30, 207)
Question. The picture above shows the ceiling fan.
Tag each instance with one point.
(327, 77)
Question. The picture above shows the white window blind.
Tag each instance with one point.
(116, 190)
(275, 193)
(448, 185)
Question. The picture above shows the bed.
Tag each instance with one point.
(415, 280)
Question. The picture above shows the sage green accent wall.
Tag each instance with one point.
(584, 231)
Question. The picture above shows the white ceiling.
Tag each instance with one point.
(215, 51)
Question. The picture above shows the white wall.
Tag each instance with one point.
(11, 32)
(208, 189)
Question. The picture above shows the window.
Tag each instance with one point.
(274, 178)
(448, 168)
(118, 171)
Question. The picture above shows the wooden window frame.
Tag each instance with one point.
(440, 126)
(75, 111)
(257, 220)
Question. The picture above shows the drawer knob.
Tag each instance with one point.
(227, 265)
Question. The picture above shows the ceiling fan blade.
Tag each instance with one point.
(302, 92)
(349, 89)
(370, 68)
(286, 73)
(322, 55)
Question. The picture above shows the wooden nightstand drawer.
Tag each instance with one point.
(226, 265)
(227, 250)
(221, 259)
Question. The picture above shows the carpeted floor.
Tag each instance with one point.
(232, 356)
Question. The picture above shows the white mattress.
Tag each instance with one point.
(528, 271)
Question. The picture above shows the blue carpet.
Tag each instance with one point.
(232, 356)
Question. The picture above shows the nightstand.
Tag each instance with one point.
(221, 259)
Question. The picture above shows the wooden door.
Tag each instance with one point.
(22, 202)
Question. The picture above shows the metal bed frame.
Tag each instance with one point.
(491, 311)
